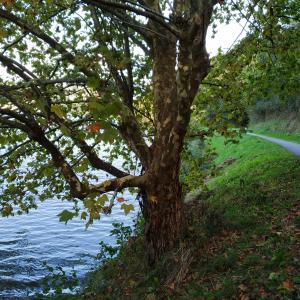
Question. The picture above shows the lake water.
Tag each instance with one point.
(29, 240)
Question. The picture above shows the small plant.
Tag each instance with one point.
(59, 280)
(122, 234)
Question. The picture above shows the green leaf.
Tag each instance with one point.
(93, 82)
(83, 215)
(77, 24)
(89, 204)
(273, 276)
(57, 110)
(3, 34)
(66, 216)
(127, 208)
(101, 201)
(65, 130)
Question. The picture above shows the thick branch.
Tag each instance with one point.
(119, 184)
(13, 124)
(89, 152)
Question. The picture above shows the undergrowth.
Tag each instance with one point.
(242, 240)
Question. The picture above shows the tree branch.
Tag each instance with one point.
(39, 82)
(119, 184)
(66, 55)
(89, 152)
(145, 13)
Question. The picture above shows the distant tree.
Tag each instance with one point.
(92, 80)
(263, 65)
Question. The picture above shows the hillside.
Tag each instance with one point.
(242, 242)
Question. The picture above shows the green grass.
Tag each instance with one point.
(243, 238)
(255, 197)
(278, 128)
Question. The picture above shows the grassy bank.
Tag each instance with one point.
(279, 128)
(242, 240)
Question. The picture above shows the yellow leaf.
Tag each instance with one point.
(153, 199)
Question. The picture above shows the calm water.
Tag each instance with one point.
(29, 240)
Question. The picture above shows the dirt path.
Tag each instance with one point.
(290, 146)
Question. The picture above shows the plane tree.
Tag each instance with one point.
(84, 82)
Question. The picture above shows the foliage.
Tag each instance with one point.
(273, 107)
(72, 67)
(263, 66)
(58, 281)
(197, 164)
(122, 235)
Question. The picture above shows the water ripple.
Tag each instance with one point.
(29, 240)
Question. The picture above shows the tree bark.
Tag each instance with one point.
(163, 213)
(174, 90)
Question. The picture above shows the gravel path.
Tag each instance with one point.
(290, 146)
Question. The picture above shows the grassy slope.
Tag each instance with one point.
(277, 128)
(257, 200)
(242, 241)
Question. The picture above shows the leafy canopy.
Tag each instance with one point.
(76, 89)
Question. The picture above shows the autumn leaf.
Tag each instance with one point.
(94, 128)
(262, 292)
(120, 200)
(287, 285)
(6, 3)
(171, 286)
(153, 199)
(243, 287)
(126, 291)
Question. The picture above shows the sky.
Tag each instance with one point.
(225, 37)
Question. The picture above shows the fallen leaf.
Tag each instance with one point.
(172, 286)
(287, 285)
(243, 287)
(290, 270)
(126, 291)
(262, 292)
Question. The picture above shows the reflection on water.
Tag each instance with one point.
(29, 240)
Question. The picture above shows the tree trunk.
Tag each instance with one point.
(163, 213)
(178, 68)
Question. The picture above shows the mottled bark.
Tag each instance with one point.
(179, 67)
(163, 213)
